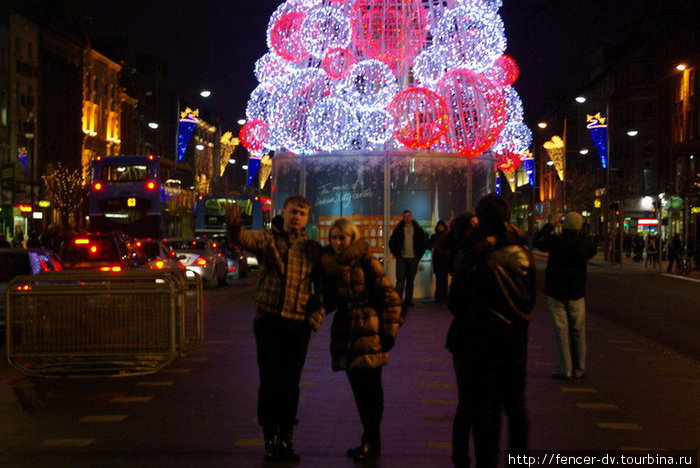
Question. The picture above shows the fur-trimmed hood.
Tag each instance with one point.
(332, 261)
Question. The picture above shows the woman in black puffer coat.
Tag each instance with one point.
(367, 319)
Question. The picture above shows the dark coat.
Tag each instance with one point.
(420, 240)
(565, 276)
(368, 307)
(443, 251)
(493, 290)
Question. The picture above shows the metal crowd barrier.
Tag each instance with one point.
(88, 323)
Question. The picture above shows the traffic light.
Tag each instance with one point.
(615, 206)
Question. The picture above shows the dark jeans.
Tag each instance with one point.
(281, 345)
(490, 379)
(369, 397)
(406, 269)
(441, 277)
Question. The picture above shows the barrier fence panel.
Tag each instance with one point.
(81, 323)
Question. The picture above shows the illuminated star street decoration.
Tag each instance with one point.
(555, 151)
(598, 128)
(188, 122)
(364, 75)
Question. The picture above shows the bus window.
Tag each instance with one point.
(131, 173)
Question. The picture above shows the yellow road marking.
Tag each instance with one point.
(155, 383)
(103, 418)
(440, 401)
(249, 443)
(133, 399)
(620, 426)
(597, 405)
(67, 442)
(578, 389)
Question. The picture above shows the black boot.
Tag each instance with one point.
(365, 453)
(272, 443)
(286, 451)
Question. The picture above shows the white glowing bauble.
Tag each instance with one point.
(429, 66)
(515, 137)
(269, 68)
(332, 125)
(514, 105)
(291, 104)
(325, 28)
(490, 4)
(471, 36)
(370, 83)
(258, 104)
(376, 125)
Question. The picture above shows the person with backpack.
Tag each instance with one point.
(491, 297)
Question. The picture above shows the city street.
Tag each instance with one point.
(641, 390)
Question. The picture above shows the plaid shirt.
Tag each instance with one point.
(290, 273)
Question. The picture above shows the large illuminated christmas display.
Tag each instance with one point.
(372, 107)
(362, 75)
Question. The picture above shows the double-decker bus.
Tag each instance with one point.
(143, 196)
(210, 213)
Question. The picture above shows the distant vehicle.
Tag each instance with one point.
(142, 196)
(210, 213)
(235, 256)
(16, 262)
(256, 214)
(154, 254)
(96, 251)
(202, 257)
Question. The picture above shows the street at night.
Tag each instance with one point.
(641, 390)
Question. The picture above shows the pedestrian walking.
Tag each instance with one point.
(652, 247)
(18, 238)
(674, 248)
(491, 297)
(33, 240)
(364, 329)
(288, 308)
(565, 287)
(407, 243)
(439, 243)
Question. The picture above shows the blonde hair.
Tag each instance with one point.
(347, 227)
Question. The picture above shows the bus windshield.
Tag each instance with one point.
(215, 210)
(122, 173)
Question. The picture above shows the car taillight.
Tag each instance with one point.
(160, 264)
(24, 287)
(201, 261)
(97, 186)
(150, 185)
(232, 268)
(81, 241)
(111, 268)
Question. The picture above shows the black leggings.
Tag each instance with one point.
(369, 396)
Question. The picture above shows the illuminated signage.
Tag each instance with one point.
(648, 222)
(131, 202)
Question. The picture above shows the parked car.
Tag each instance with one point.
(16, 262)
(235, 256)
(96, 251)
(202, 257)
(154, 254)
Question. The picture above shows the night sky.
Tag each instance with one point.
(214, 43)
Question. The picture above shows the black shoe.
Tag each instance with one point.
(366, 453)
(272, 449)
(287, 453)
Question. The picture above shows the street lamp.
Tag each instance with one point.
(153, 125)
(205, 93)
(241, 121)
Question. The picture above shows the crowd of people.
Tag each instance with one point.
(491, 298)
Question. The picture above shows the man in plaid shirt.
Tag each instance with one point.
(287, 310)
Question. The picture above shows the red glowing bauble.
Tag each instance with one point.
(285, 36)
(337, 62)
(477, 111)
(505, 71)
(507, 161)
(392, 31)
(254, 134)
(420, 117)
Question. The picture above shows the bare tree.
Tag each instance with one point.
(65, 189)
